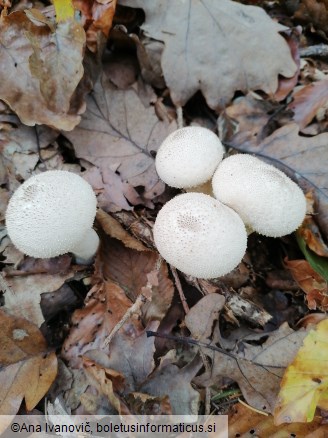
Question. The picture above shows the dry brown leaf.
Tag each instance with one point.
(114, 229)
(190, 63)
(314, 12)
(310, 232)
(134, 271)
(256, 369)
(41, 67)
(131, 355)
(27, 368)
(250, 116)
(201, 317)
(245, 422)
(97, 16)
(307, 101)
(314, 286)
(108, 382)
(305, 157)
(105, 305)
(118, 134)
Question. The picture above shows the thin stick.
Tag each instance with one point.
(134, 309)
(316, 50)
(180, 117)
(142, 298)
(179, 287)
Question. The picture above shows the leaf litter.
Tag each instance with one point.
(131, 348)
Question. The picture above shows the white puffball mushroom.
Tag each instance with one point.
(188, 157)
(200, 236)
(266, 199)
(51, 214)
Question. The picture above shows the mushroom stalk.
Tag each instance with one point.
(86, 249)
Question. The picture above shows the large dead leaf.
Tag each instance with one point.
(257, 368)
(117, 134)
(305, 157)
(305, 382)
(41, 67)
(217, 47)
(27, 368)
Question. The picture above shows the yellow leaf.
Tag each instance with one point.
(304, 386)
(64, 10)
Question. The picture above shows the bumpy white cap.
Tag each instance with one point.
(265, 198)
(188, 157)
(200, 236)
(50, 213)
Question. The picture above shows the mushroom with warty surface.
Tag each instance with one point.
(52, 213)
(199, 235)
(188, 157)
(266, 199)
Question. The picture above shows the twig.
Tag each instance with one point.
(143, 297)
(134, 309)
(316, 50)
(179, 287)
(180, 117)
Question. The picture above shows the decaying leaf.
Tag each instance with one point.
(305, 382)
(201, 317)
(27, 368)
(310, 282)
(191, 63)
(118, 134)
(41, 66)
(256, 369)
(307, 101)
(129, 269)
(314, 12)
(310, 232)
(105, 305)
(97, 17)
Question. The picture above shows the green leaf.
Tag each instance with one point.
(318, 263)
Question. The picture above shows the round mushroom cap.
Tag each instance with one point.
(266, 199)
(188, 157)
(200, 236)
(50, 213)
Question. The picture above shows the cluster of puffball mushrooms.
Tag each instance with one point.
(206, 236)
(201, 235)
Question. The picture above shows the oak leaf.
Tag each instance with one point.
(42, 67)
(205, 48)
(27, 368)
(118, 134)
